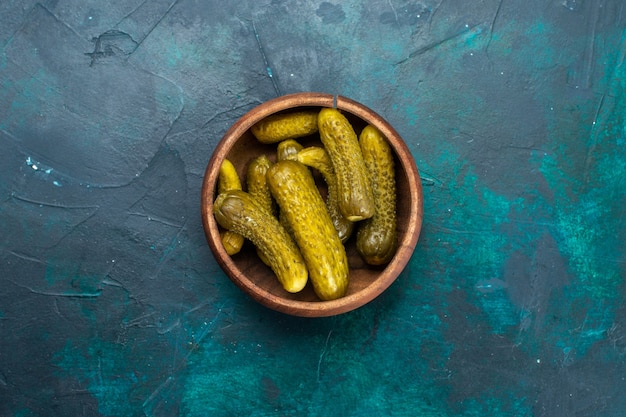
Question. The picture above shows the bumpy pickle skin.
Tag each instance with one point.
(239, 212)
(298, 198)
(287, 149)
(376, 238)
(256, 181)
(282, 126)
(355, 196)
(229, 180)
(317, 158)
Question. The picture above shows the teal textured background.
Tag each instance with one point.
(111, 303)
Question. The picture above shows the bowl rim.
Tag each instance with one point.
(405, 247)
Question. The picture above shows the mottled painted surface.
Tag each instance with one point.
(111, 303)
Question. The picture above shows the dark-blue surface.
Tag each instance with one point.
(111, 303)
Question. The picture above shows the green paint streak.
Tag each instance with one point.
(583, 215)
(491, 405)
(586, 244)
(477, 212)
(69, 278)
(3, 60)
(475, 250)
(24, 412)
(332, 367)
(528, 46)
(589, 195)
(200, 55)
(586, 173)
(174, 242)
(100, 367)
(174, 55)
(27, 95)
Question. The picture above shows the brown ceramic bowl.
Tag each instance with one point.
(253, 276)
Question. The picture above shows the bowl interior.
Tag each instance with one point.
(366, 282)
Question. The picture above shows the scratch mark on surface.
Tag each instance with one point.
(393, 9)
(526, 148)
(430, 180)
(137, 322)
(181, 96)
(493, 24)
(218, 114)
(55, 17)
(26, 257)
(159, 20)
(435, 10)
(75, 393)
(591, 44)
(112, 282)
(74, 227)
(48, 204)
(322, 353)
(198, 307)
(591, 149)
(57, 310)
(615, 335)
(9, 134)
(206, 330)
(268, 68)
(196, 129)
(168, 251)
(139, 6)
(449, 230)
(154, 395)
(157, 391)
(60, 314)
(20, 27)
(169, 328)
(100, 376)
(60, 206)
(84, 294)
(434, 45)
(156, 219)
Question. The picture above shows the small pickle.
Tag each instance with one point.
(282, 126)
(376, 239)
(238, 211)
(229, 180)
(356, 199)
(296, 193)
(256, 181)
(287, 149)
